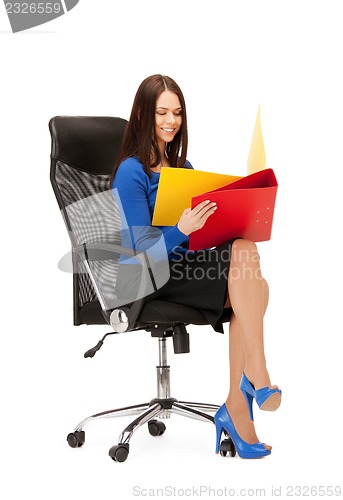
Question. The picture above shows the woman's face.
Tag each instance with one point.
(168, 117)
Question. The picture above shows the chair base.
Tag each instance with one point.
(161, 407)
(148, 413)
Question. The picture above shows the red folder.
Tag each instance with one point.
(245, 209)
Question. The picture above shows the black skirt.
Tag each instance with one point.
(197, 279)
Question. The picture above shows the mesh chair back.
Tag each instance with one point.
(83, 152)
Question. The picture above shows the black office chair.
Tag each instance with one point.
(83, 153)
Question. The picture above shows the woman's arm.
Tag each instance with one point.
(131, 186)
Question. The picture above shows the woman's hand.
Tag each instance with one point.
(193, 219)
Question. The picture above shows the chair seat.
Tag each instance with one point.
(154, 311)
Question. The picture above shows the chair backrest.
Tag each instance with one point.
(83, 152)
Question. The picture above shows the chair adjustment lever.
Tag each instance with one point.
(91, 352)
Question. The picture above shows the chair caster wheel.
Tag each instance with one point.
(76, 439)
(119, 452)
(227, 446)
(156, 428)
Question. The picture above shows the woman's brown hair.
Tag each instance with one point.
(140, 134)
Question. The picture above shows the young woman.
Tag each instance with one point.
(230, 285)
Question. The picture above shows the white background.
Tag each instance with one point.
(228, 57)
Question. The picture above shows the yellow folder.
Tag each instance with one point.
(176, 188)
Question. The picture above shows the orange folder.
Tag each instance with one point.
(245, 209)
(176, 188)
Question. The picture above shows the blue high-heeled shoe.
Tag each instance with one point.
(223, 422)
(266, 398)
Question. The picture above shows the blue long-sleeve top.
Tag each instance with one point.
(136, 194)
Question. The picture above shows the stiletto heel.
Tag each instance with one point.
(223, 422)
(219, 430)
(249, 399)
(266, 398)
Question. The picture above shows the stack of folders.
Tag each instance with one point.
(245, 205)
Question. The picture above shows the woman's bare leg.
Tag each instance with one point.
(249, 300)
(235, 402)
